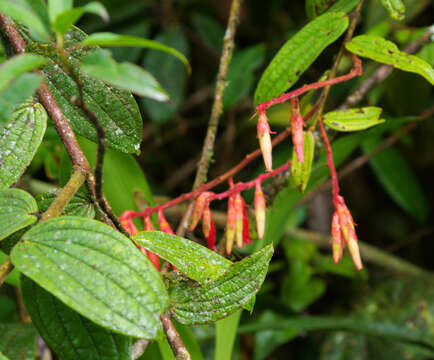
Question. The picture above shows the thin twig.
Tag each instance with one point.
(381, 73)
(208, 146)
(5, 270)
(175, 342)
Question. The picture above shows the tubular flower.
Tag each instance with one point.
(297, 130)
(263, 130)
(230, 225)
(201, 202)
(164, 225)
(260, 209)
(206, 220)
(211, 237)
(343, 221)
(148, 225)
(246, 233)
(238, 204)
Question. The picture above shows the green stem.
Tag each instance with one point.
(5, 270)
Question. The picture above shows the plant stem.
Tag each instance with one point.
(5, 270)
(217, 107)
(178, 348)
(368, 252)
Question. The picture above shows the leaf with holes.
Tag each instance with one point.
(300, 171)
(116, 109)
(395, 8)
(194, 260)
(69, 334)
(17, 210)
(381, 50)
(199, 304)
(20, 137)
(96, 271)
(298, 54)
(353, 119)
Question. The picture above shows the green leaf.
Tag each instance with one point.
(79, 205)
(16, 93)
(315, 8)
(18, 341)
(17, 210)
(56, 7)
(23, 13)
(111, 39)
(298, 54)
(217, 299)
(100, 65)
(116, 109)
(2, 357)
(170, 74)
(194, 260)
(226, 333)
(69, 334)
(66, 19)
(398, 179)
(384, 51)
(14, 277)
(209, 30)
(18, 65)
(395, 8)
(97, 272)
(300, 172)
(19, 140)
(344, 5)
(353, 119)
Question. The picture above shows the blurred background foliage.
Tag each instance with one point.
(308, 308)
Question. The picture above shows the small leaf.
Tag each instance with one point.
(194, 260)
(116, 109)
(300, 172)
(344, 5)
(209, 30)
(64, 21)
(100, 65)
(353, 119)
(398, 179)
(315, 8)
(19, 140)
(56, 7)
(16, 93)
(18, 341)
(2, 357)
(384, 51)
(395, 8)
(97, 272)
(222, 297)
(21, 12)
(18, 65)
(70, 335)
(79, 205)
(17, 210)
(298, 54)
(111, 39)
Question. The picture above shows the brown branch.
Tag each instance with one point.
(381, 73)
(5, 270)
(208, 146)
(178, 348)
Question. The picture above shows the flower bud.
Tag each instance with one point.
(230, 225)
(164, 225)
(148, 225)
(263, 130)
(211, 237)
(206, 220)
(246, 232)
(154, 258)
(238, 204)
(297, 130)
(198, 209)
(129, 226)
(337, 245)
(260, 209)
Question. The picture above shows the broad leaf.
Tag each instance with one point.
(344, 5)
(384, 51)
(18, 341)
(16, 93)
(17, 210)
(395, 8)
(116, 109)
(209, 30)
(111, 39)
(194, 260)
(100, 65)
(21, 12)
(64, 21)
(353, 119)
(298, 54)
(300, 172)
(56, 7)
(20, 137)
(398, 179)
(18, 65)
(197, 304)
(79, 205)
(69, 334)
(96, 271)
(169, 72)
